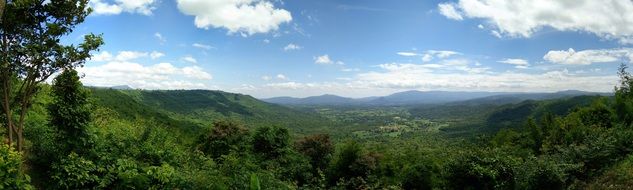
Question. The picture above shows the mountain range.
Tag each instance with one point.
(414, 97)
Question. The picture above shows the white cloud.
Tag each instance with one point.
(291, 47)
(430, 54)
(413, 76)
(586, 57)
(202, 46)
(266, 41)
(144, 7)
(350, 69)
(124, 56)
(408, 54)
(156, 55)
(518, 62)
(282, 77)
(427, 57)
(157, 76)
(160, 37)
(130, 55)
(449, 11)
(190, 59)
(442, 53)
(266, 77)
(480, 26)
(247, 17)
(609, 19)
(196, 73)
(103, 56)
(325, 60)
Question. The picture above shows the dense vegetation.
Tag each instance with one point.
(68, 136)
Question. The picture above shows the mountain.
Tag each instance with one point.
(514, 98)
(326, 99)
(428, 97)
(200, 108)
(122, 87)
(414, 97)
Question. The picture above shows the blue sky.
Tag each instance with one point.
(358, 48)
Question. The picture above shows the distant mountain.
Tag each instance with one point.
(430, 97)
(326, 99)
(514, 98)
(121, 87)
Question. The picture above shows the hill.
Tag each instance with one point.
(200, 108)
(414, 97)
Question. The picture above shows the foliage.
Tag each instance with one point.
(318, 148)
(11, 176)
(31, 52)
(271, 142)
(225, 137)
(69, 112)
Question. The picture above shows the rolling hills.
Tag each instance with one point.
(200, 108)
(428, 97)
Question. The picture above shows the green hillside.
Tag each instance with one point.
(193, 109)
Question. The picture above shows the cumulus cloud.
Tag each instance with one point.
(130, 55)
(609, 19)
(291, 47)
(123, 56)
(413, 76)
(247, 17)
(586, 57)
(102, 56)
(157, 76)
(144, 7)
(448, 10)
(266, 77)
(323, 60)
(282, 77)
(156, 55)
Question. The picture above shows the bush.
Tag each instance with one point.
(11, 176)
(481, 170)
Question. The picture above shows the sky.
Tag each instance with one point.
(358, 48)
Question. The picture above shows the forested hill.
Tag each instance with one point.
(194, 108)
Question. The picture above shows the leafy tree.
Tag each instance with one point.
(418, 177)
(318, 148)
(271, 142)
(224, 137)
(536, 135)
(351, 163)
(624, 97)
(31, 51)
(69, 112)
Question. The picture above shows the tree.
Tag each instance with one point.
(224, 137)
(624, 97)
(271, 142)
(31, 52)
(69, 112)
(318, 148)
